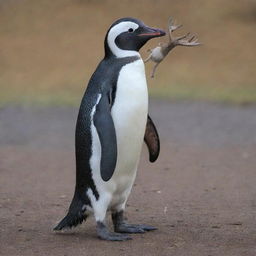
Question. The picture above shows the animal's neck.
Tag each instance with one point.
(166, 48)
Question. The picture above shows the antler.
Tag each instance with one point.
(172, 27)
(185, 40)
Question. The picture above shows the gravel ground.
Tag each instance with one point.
(201, 192)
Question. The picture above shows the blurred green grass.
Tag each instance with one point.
(49, 49)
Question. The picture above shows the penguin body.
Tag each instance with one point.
(129, 113)
(110, 128)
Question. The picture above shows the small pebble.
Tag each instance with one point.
(215, 226)
(236, 223)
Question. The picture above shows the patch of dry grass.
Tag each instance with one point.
(50, 48)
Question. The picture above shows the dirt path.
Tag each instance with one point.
(201, 193)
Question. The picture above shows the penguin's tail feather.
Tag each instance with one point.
(76, 215)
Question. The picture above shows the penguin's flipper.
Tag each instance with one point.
(151, 138)
(106, 130)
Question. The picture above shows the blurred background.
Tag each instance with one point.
(49, 49)
(201, 191)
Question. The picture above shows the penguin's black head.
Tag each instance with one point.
(127, 35)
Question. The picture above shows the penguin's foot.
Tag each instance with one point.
(105, 234)
(131, 228)
(122, 227)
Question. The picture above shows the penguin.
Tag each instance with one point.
(112, 123)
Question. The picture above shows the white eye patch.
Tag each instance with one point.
(114, 32)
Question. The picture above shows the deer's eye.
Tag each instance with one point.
(130, 30)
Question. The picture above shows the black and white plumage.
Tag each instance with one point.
(112, 123)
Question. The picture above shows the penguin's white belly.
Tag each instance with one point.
(129, 114)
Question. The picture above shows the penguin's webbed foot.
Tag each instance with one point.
(105, 234)
(132, 228)
(122, 227)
